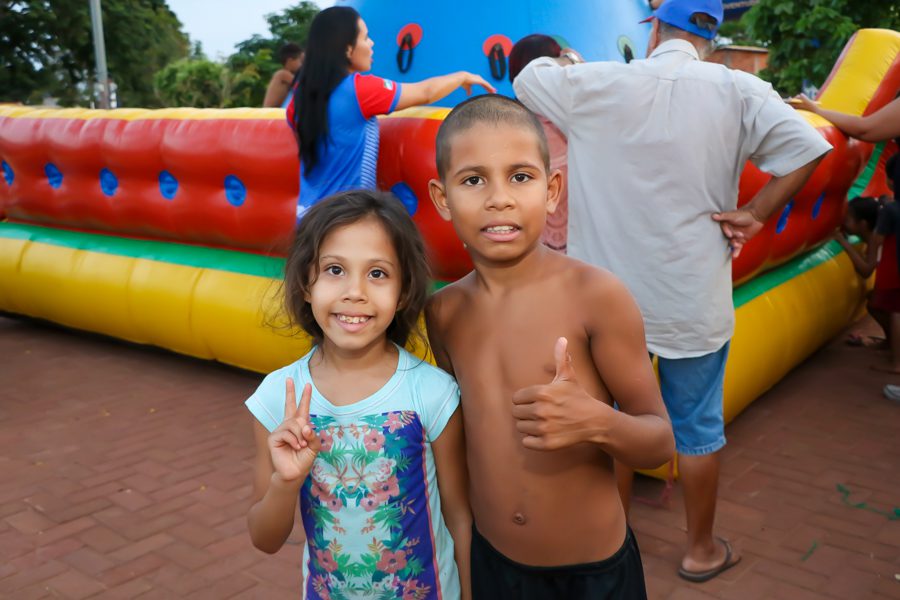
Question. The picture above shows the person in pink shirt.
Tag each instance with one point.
(523, 52)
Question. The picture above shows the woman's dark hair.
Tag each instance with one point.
(865, 210)
(529, 48)
(324, 67)
(346, 208)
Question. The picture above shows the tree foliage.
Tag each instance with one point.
(195, 81)
(805, 37)
(46, 49)
(244, 76)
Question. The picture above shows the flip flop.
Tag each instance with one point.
(855, 340)
(701, 576)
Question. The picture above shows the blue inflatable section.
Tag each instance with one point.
(455, 36)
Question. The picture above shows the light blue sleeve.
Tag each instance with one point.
(438, 397)
(267, 402)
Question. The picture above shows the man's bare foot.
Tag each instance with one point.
(699, 571)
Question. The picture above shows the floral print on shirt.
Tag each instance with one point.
(365, 510)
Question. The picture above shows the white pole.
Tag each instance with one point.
(100, 53)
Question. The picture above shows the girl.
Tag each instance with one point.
(333, 107)
(375, 448)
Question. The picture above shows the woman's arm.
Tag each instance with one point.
(881, 125)
(453, 482)
(436, 88)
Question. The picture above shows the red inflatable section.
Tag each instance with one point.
(178, 179)
(230, 179)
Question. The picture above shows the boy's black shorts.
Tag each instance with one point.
(495, 577)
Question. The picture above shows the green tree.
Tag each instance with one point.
(805, 37)
(195, 81)
(46, 49)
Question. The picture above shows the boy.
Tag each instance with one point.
(290, 56)
(540, 345)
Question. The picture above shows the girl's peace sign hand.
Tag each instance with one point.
(294, 444)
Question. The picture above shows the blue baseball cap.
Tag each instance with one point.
(678, 14)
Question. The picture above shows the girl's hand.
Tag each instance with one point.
(470, 79)
(801, 102)
(294, 444)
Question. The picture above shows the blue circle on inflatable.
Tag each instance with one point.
(405, 194)
(168, 185)
(8, 174)
(235, 190)
(108, 182)
(817, 207)
(54, 175)
(783, 219)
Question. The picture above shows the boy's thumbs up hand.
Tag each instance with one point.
(556, 415)
(565, 371)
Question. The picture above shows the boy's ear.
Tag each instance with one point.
(438, 194)
(554, 190)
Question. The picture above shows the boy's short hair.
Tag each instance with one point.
(289, 50)
(492, 109)
(865, 210)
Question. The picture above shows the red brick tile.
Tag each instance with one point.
(64, 530)
(22, 579)
(102, 539)
(30, 521)
(74, 585)
(139, 567)
(139, 548)
(88, 561)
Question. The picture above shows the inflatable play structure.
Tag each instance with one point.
(168, 227)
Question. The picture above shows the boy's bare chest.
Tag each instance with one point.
(509, 345)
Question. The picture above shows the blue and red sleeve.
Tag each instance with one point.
(376, 96)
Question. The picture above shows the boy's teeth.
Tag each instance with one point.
(347, 319)
(501, 229)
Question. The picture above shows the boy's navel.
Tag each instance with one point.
(519, 519)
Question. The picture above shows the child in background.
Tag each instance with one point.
(374, 449)
(290, 56)
(541, 345)
(523, 52)
(888, 296)
(861, 220)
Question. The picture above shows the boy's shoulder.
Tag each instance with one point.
(450, 297)
(581, 279)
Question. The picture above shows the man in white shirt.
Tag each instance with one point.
(656, 150)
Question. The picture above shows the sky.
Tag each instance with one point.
(220, 24)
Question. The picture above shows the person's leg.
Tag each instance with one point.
(893, 333)
(692, 391)
(882, 318)
(700, 481)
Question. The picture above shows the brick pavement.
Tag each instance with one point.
(126, 474)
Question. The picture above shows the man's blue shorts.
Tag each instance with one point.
(692, 391)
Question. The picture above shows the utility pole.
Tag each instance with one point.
(100, 53)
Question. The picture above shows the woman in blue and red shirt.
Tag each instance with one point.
(333, 107)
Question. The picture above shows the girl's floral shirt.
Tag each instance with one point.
(370, 507)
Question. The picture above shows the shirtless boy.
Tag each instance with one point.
(541, 345)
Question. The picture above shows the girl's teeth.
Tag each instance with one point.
(501, 229)
(353, 320)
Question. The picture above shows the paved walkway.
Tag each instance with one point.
(126, 474)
